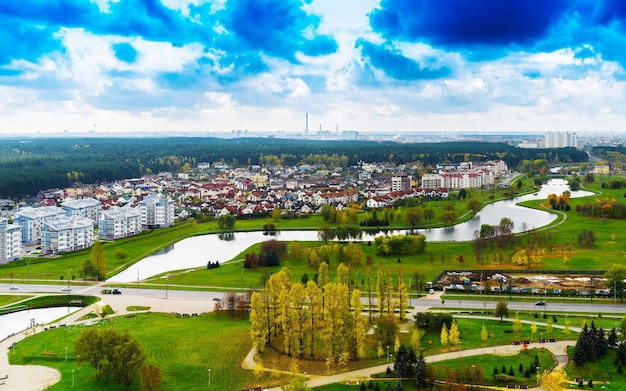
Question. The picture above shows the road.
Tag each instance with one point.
(429, 301)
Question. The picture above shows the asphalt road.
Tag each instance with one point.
(422, 304)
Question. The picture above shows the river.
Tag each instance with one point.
(196, 251)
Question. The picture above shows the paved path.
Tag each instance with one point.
(556, 348)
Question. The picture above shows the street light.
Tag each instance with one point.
(68, 281)
(72, 378)
(78, 361)
(327, 366)
(387, 354)
(537, 376)
(66, 354)
(209, 376)
(167, 284)
(28, 264)
(242, 269)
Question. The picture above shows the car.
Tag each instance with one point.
(13, 288)
(66, 289)
(217, 299)
(116, 291)
(431, 292)
(540, 302)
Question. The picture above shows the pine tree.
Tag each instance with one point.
(420, 371)
(611, 341)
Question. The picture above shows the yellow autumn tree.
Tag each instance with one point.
(551, 381)
(444, 335)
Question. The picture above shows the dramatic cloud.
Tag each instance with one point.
(396, 65)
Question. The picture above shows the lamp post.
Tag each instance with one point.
(68, 281)
(209, 376)
(78, 361)
(541, 340)
(242, 269)
(72, 378)
(537, 376)
(167, 284)
(304, 375)
(327, 366)
(28, 264)
(66, 354)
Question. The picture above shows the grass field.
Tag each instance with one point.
(182, 348)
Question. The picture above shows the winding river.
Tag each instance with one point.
(197, 251)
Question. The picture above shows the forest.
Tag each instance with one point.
(29, 165)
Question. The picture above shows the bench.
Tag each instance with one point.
(552, 340)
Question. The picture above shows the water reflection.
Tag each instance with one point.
(197, 251)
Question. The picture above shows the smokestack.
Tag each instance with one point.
(306, 129)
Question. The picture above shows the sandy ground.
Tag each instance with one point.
(36, 378)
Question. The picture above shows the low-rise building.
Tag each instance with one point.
(10, 241)
(66, 234)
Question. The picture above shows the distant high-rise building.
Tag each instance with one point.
(401, 183)
(561, 140)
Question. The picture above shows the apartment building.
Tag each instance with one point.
(401, 183)
(66, 234)
(83, 207)
(32, 220)
(156, 211)
(10, 241)
(119, 222)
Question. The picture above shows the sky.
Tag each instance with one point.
(262, 65)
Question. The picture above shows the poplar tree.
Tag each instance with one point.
(403, 295)
(99, 260)
(444, 335)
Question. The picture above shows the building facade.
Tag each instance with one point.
(83, 207)
(32, 220)
(401, 183)
(10, 241)
(119, 222)
(66, 234)
(156, 212)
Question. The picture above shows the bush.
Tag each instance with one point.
(503, 377)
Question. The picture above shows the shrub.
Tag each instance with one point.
(503, 377)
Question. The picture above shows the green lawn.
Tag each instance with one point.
(182, 348)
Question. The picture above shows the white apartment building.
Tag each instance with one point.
(84, 207)
(432, 181)
(561, 140)
(10, 241)
(32, 221)
(156, 212)
(66, 234)
(401, 183)
(119, 222)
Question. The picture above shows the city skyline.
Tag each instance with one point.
(263, 66)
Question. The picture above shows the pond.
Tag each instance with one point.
(197, 251)
(17, 322)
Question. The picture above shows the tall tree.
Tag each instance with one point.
(360, 324)
(403, 295)
(615, 276)
(99, 260)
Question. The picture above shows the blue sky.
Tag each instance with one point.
(261, 65)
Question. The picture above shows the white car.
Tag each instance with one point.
(66, 289)
(13, 288)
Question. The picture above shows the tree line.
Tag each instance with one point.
(44, 163)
